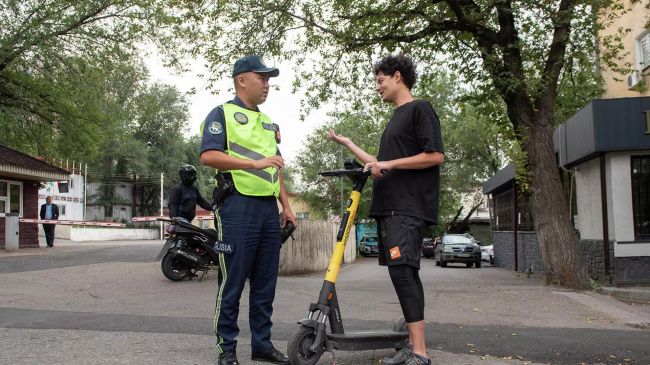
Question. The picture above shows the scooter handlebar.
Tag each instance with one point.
(346, 172)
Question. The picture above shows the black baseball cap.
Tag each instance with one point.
(255, 64)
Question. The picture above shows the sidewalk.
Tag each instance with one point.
(64, 245)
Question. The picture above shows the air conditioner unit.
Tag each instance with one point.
(633, 79)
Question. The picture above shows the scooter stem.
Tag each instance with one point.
(344, 231)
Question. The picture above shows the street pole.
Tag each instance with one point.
(85, 188)
(162, 176)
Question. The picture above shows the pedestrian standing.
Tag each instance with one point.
(49, 211)
(406, 188)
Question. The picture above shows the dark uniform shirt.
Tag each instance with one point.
(183, 200)
(413, 128)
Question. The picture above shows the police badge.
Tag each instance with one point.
(241, 118)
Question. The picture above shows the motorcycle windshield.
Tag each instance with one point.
(169, 244)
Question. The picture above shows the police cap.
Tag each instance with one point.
(255, 64)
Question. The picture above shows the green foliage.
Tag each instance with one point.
(73, 87)
(323, 194)
(51, 49)
(474, 148)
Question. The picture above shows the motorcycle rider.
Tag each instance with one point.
(184, 196)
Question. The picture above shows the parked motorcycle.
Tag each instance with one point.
(188, 250)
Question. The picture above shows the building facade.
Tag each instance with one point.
(604, 155)
(21, 176)
(67, 195)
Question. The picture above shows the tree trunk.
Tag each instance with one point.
(558, 244)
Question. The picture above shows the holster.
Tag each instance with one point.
(224, 188)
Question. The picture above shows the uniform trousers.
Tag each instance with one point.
(251, 226)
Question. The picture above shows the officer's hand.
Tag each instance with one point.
(287, 215)
(342, 140)
(273, 161)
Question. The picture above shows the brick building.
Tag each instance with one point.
(20, 178)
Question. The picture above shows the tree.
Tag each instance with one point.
(52, 52)
(72, 84)
(519, 51)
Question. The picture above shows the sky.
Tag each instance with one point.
(281, 105)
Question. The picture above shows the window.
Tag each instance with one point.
(11, 197)
(303, 215)
(503, 211)
(642, 48)
(3, 197)
(62, 210)
(641, 196)
(524, 215)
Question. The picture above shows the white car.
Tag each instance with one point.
(487, 254)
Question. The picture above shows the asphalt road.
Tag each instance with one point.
(470, 311)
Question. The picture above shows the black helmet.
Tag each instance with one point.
(187, 174)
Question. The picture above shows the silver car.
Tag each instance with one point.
(458, 248)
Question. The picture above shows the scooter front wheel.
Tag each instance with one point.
(298, 347)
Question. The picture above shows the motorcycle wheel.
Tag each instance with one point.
(174, 269)
(298, 347)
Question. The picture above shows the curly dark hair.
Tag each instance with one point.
(392, 63)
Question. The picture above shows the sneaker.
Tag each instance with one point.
(399, 357)
(416, 359)
(273, 357)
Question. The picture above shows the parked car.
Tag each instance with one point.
(458, 248)
(487, 252)
(368, 246)
(428, 248)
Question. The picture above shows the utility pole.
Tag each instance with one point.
(162, 176)
(85, 188)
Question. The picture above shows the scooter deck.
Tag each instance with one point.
(367, 340)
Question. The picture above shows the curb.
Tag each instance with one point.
(636, 294)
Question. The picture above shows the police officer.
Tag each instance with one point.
(241, 142)
(184, 196)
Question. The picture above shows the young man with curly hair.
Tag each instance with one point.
(406, 188)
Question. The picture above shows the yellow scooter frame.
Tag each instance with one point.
(311, 339)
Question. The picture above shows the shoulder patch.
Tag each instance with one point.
(241, 118)
(215, 127)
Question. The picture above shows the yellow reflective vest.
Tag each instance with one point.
(251, 135)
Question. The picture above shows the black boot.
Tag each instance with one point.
(228, 358)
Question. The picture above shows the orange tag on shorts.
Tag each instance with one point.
(394, 253)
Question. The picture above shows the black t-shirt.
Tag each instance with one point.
(413, 128)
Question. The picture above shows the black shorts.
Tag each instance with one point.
(400, 240)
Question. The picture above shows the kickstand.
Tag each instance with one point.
(202, 275)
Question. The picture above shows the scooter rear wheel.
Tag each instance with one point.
(174, 269)
(298, 347)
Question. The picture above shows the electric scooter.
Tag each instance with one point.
(311, 339)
